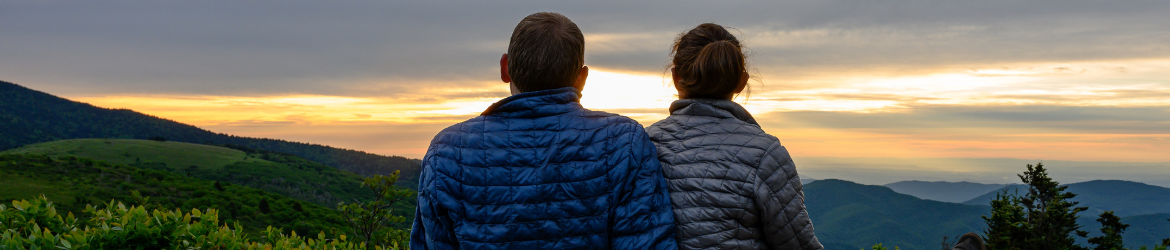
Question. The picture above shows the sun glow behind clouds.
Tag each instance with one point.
(646, 97)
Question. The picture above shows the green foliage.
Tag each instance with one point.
(372, 220)
(37, 225)
(880, 247)
(1044, 218)
(283, 174)
(77, 182)
(1112, 228)
(264, 207)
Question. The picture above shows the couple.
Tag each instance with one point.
(538, 171)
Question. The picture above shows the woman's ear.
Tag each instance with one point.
(504, 69)
(743, 79)
(673, 75)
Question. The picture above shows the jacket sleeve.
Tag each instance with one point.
(643, 217)
(780, 198)
(433, 227)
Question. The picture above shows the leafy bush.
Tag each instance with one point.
(75, 182)
(37, 225)
(373, 220)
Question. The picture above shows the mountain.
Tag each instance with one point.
(1124, 198)
(29, 116)
(806, 181)
(848, 215)
(72, 183)
(282, 174)
(955, 192)
(1144, 230)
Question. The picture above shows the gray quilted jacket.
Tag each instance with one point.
(732, 185)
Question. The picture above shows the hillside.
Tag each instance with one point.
(1124, 198)
(848, 215)
(955, 192)
(1144, 230)
(281, 174)
(29, 116)
(74, 182)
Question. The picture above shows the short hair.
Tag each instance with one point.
(546, 51)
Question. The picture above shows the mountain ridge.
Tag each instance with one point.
(954, 192)
(1124, 198)
(33, 116)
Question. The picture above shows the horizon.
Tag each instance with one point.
(924, 83)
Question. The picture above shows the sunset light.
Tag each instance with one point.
(360, 124)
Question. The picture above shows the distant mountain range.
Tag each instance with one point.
(29, 116)
(852, 216)
(1124, 198)
(956, 192)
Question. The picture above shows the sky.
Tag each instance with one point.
(837, 81)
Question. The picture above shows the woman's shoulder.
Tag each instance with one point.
(708, 126)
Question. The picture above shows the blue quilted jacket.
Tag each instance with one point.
(538, 171)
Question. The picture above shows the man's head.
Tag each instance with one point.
(547, 51)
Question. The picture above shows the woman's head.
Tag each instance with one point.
(708, 63)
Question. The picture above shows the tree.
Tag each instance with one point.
(1044, 218)
(373, 220)
(1112, 228)
(264, 208)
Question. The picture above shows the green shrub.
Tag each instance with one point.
(37, 225)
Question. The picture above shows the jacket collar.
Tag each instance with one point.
(711, 107)
(537, 103)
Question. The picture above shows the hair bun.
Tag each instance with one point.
(709, 62)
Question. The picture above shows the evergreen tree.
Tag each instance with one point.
(1004, 228)
(1044, 218)
(1112, 228)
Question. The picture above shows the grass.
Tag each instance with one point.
(18, 186)
(127, 151)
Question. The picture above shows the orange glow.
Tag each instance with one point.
(403, 125)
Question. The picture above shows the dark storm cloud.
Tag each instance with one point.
(391, 47)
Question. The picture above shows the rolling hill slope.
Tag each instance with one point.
(1144, 230)
(29, 116)
(286, 175)
(71, 183)
(848, 215)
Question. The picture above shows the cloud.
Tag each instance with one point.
(367, 48)
(1069, 119)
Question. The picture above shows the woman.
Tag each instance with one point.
(732, 186)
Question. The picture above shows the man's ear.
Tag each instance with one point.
(743, 79)
(580, 83)
(504, 69)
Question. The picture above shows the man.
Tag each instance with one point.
(538, 171)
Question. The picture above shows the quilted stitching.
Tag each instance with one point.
(538, 171)
(732, 186)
